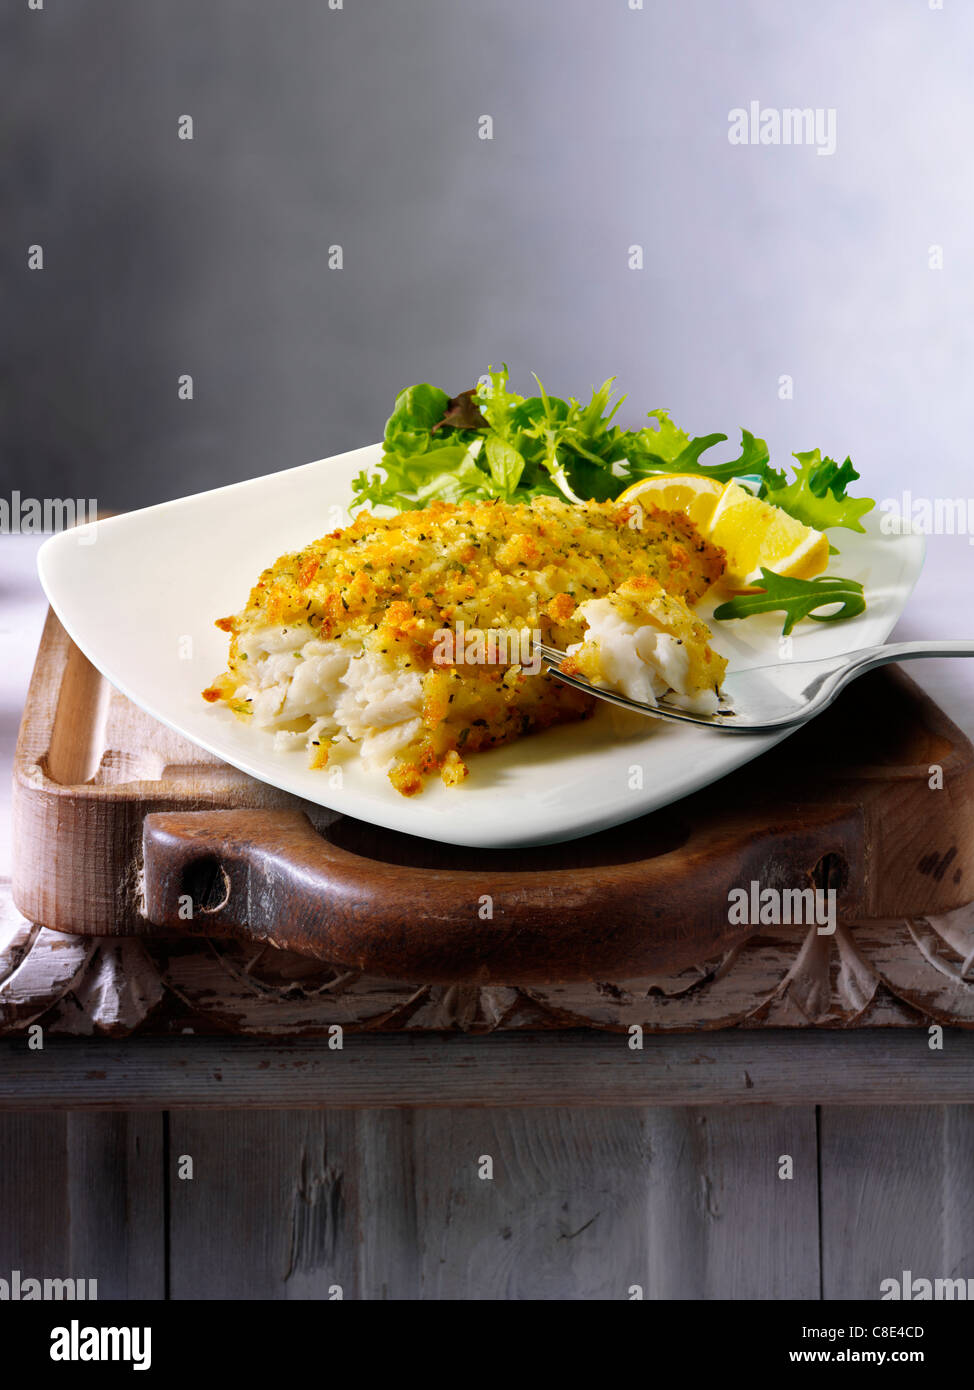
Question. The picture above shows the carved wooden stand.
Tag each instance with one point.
(886, 974)
(851, 791)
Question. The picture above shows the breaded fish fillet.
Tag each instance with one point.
(340, 647)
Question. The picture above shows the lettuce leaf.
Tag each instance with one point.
(505, 463)
(668, 449)
(417, 409)
(817, 494)
(448, 473)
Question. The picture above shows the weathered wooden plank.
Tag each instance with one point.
(34, 1236)
(897, 1194)
(271, 1209)
(958, 1189)
(325, 1199)
(401, 1070)
(389, 1205)
(578, 1204)
(115, 1184)
(598, 1203)
(724, 1222)
(558, 1213)
(392, 1205)
(81, 1198)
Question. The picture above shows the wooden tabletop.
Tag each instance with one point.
(503, 1071)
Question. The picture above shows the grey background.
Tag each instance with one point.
(359, 127)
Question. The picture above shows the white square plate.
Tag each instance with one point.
(139, 594)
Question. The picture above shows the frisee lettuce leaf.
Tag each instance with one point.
(668, 449)
(817, 495)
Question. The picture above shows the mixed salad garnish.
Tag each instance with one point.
(488, 442)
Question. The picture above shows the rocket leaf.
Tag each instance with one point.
(797, 599)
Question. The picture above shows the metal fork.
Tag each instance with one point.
(770, 697)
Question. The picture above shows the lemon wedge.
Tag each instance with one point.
(754, 533)
(689, 493)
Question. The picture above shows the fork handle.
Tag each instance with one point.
(870, 657)
(906, 651)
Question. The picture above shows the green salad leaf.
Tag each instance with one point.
(817, 495)
(417, 411)
(505, 463)
(447, 474)
(668, 449)
(797, 599)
